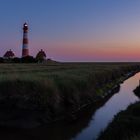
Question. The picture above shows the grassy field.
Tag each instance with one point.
(55, 89)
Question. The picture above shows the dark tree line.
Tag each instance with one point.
(27, 59)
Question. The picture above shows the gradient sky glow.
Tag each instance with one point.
(73, 30)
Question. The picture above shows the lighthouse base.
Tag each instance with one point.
(25, 52)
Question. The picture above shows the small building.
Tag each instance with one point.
(9, 55)
(41, 56)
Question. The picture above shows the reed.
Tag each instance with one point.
(58, 89)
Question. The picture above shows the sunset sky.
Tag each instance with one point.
(73, 30)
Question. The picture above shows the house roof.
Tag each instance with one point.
(41, 54)
(9, 54)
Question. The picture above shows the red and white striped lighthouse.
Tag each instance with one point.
(25, 49)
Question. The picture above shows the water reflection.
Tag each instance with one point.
(105, 114)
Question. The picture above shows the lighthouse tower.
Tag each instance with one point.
(25, 50)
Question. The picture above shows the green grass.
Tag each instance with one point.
(58, 88)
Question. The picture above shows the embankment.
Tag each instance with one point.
(31, 98)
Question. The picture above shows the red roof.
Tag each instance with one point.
(9, 54)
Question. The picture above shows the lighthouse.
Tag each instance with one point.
(25, 49)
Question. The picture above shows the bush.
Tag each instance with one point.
(1, 60)
(28, 59)
(16, 60)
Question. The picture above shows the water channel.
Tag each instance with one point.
(90, 125)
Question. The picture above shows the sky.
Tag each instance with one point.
(73, 30)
